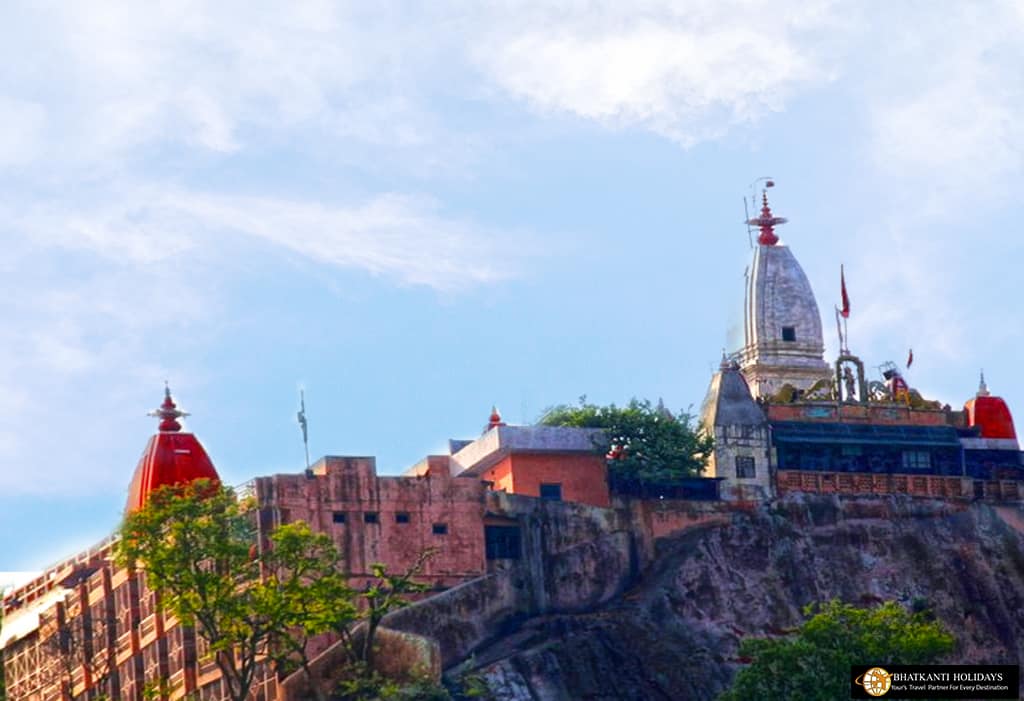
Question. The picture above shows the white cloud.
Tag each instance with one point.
(689, 72)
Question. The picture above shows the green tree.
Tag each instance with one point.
(197, 547)
(814, 663)
(643, 443)
(197, 544)
(304, 594)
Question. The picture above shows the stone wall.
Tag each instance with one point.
(737, 441)
(462, 618)
(384, 519)
(574, 557)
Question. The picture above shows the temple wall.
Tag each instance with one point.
(384, 519)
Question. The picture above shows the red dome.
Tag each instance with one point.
(171, 457)
(991, 415)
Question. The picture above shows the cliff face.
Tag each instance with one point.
(675, 634)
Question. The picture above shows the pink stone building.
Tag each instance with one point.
(86, 627)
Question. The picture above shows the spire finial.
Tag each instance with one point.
(982, 387)
(767, 222)
(495, 419)
(724, 365)
(168, 412)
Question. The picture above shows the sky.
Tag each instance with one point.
(414, 211)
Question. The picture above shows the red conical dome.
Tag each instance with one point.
(990, 414)
(171, 457)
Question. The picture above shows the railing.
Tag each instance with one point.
(246, 490)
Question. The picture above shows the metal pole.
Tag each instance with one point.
(303, 424)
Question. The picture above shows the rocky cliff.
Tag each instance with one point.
(674, 634)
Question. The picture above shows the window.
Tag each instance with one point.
(402, 517)
(788, 333)
(371, 517)
(440, 529)
(745, 467)
(338, 517)
(917, 460)
(551, 492)
(502, 542)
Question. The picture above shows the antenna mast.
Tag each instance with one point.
(303, 424)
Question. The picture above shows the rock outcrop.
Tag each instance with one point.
(675, 634)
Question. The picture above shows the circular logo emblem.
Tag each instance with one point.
(876, 681)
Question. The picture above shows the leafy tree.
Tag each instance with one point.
(814, 663)
(304, 594)
(643, 443)
(198, 546)
(385, 593)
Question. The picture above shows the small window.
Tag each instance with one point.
(402, 517)
(551, 492)
(917, 460)
(440, 529)
(502, 542)
(745, 467)
(338, 517)
(788, 333)
(371, 517)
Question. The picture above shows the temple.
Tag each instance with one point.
(516, 513)
(784, 420)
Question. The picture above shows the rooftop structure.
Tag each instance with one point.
(782, 327)
(171, 457)
(784, 420)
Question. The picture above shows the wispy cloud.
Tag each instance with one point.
(107, 289)
(405, 238)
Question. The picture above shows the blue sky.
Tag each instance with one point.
(416, 210)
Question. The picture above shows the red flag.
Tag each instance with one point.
(845, 311)
(910, 358)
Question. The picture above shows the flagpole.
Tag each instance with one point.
(839, 331)
(846, 310)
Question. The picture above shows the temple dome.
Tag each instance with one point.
(990, 415)
(782, 325)
(171, 457)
